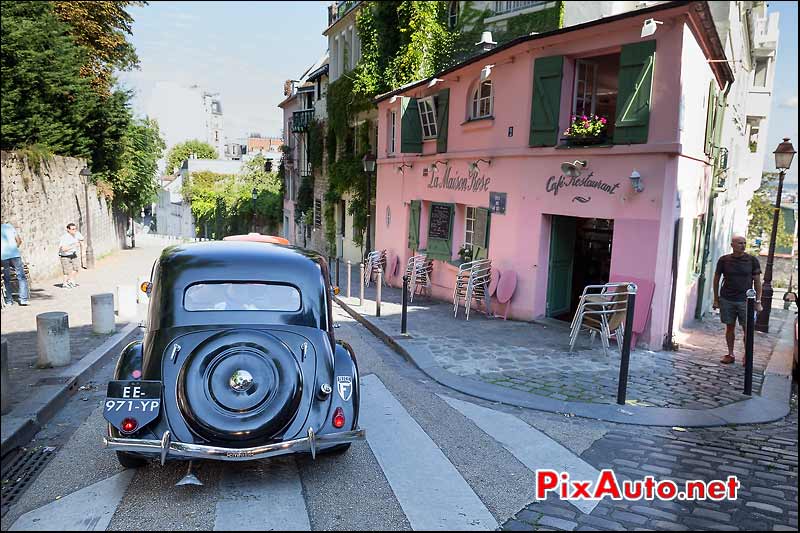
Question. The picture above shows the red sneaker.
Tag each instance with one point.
(727, 360)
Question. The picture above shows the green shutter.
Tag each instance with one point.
(546, 100)
(719, 116)
(410, 126)
(413, 225)
(442, 114)
(636, 65)
(441, 248)
(712, 96)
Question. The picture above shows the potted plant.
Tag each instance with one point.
(465, 254)
(586, 129)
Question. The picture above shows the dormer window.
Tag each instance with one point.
(482, 101)
(427, 117)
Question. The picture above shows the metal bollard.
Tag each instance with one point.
(361, 282)
(404, 312)
(337, 271)
(126, 301)
(103, 313)
(378, 293)
(349, 276)
(749, 333)
(626, 345)
(5, 388)
(52, 339)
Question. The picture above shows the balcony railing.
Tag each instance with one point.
(340, 9)
(507, 7)
(301, 120)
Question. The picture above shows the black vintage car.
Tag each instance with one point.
(238, 362)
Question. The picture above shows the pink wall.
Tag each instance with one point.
(520, 239)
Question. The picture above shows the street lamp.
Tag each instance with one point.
(783, 160)
(85, 174)
(369, 168)
(254, 195)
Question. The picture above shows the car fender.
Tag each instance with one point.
(130, 360)
(345, 370)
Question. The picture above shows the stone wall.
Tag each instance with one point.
(40, 204)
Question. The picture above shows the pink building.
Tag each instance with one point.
(480, 150)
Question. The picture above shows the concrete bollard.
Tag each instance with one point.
(52, 339)
(126, 298)
(361, 283)
(103, 313)
(5, 388)
(349, 273)
(378, 293)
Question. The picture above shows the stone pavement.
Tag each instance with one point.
(31, 387)
(534, 358)
(763, 457)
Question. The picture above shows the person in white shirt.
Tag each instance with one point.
(69, 250)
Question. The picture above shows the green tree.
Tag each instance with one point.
(761, 211)
(178, 153)
(134, 184)
(101, 28)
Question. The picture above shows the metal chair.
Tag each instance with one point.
(375, 259)
(418, 270)
(472, 282)
(601, 309)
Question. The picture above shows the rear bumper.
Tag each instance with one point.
(166, 447)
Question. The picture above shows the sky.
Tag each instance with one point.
(246, 50)
(243, 50)
(783, 115)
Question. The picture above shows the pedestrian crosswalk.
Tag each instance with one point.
(431, 491)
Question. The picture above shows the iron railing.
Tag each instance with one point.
(301, 120)
(508, 7)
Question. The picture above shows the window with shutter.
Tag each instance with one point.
(637, 62)
(410, 126)
(413, 225)
(442, 116)
(546, 100)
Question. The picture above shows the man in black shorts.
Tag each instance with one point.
(740, 271)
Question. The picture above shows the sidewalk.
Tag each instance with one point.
(528, 364)
(37, 393)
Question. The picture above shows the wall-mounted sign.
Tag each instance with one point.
(497, 203)
(555, 184)
(441, 215)
(472, 182)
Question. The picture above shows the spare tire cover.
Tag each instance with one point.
(240, 384)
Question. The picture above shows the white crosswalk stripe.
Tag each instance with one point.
(262, 496)
(530, 446)
(430, 490)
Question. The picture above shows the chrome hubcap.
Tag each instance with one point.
(241, 380)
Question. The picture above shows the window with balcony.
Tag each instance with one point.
(482, 101)
(760, 76)
(427, 117)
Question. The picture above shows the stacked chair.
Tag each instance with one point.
(602, 309)
(375, 259)
(418, 270)
(472, 282)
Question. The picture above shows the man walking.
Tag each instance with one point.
(69, 250)
(11, 258)
(740, 272)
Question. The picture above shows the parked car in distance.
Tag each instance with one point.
(238, 362)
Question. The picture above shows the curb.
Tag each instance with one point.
(22, 423)
(771, 405)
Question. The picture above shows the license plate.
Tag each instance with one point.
(139, 400)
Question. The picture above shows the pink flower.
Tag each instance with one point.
(603, 120)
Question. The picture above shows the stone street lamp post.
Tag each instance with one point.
(783, 160)
(85, 174)
(369, 168)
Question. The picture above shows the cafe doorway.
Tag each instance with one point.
(580, 255)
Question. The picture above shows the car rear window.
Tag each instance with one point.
(241, 297)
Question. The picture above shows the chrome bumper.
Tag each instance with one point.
(168, 448)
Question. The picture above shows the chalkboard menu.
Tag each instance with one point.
(441, 216)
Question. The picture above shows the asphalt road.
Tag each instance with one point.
(439, 470)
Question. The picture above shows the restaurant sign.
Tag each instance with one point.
(555, 184)
(455, 182)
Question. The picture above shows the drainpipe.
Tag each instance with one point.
(669, 343)
(701, 282)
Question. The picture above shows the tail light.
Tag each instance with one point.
(130, 424)
(338, 418)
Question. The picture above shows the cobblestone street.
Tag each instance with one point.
(764, 457)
